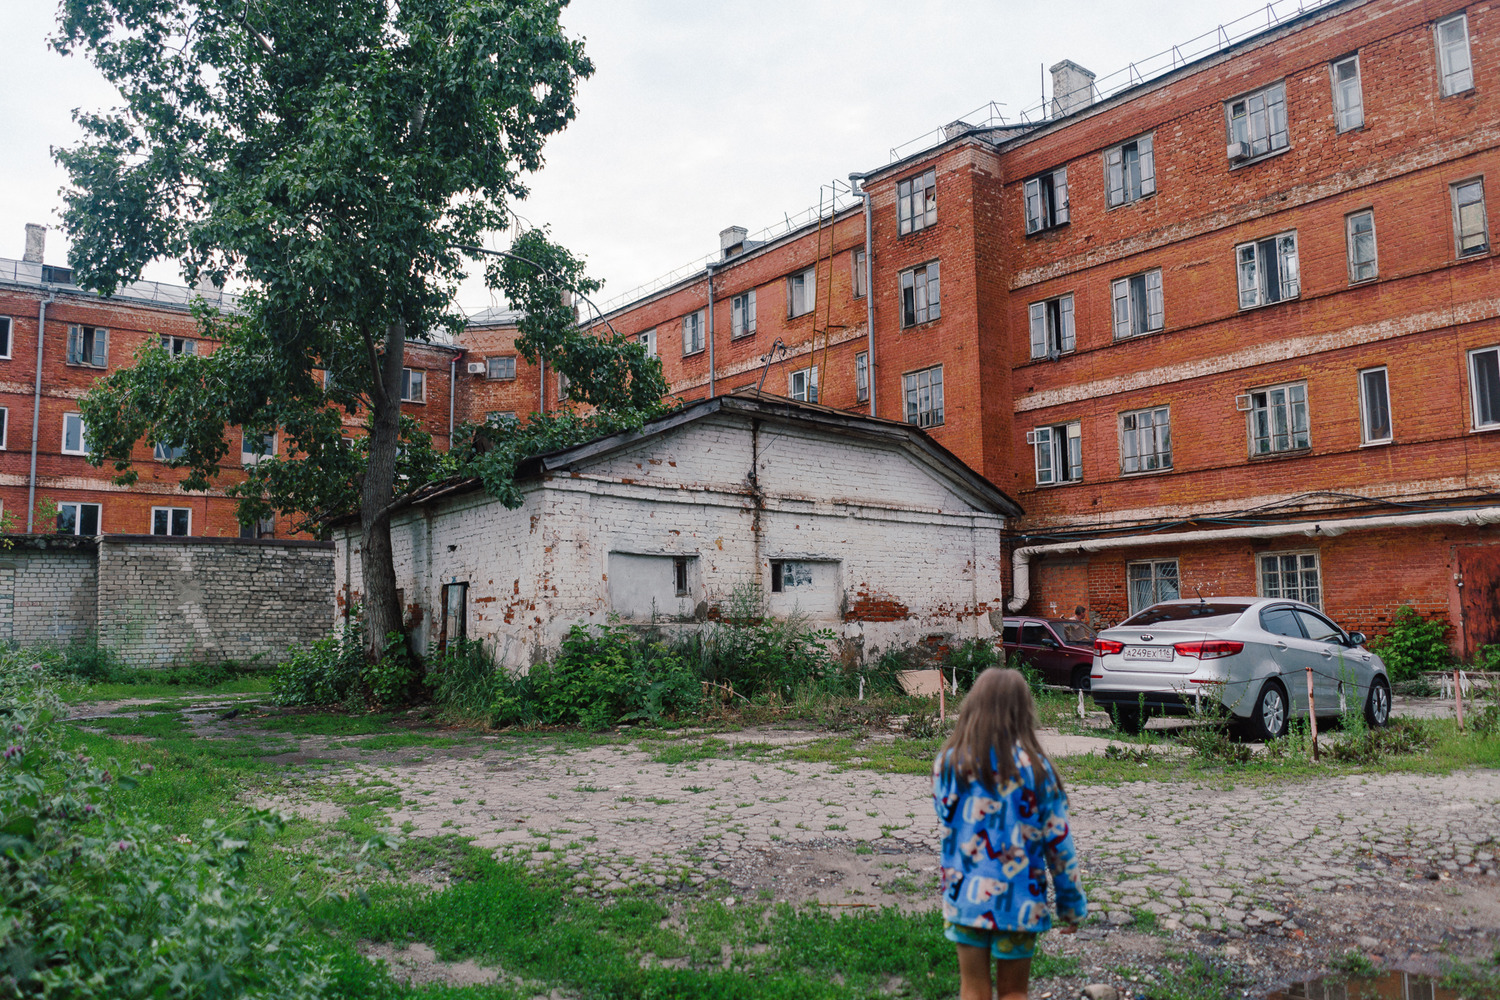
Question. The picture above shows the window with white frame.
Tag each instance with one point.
(263, 528)
(1470, 228)
(413, 385)
(742, 315)
(1059, 453)
(256, 445)
(1047, 200)
(88, 345)
(1374, 406)
(1278, 419)
(75, 437)
(859, 280)
(164, 452)
(801, 292)
(1484, 386)
(692, 332)
(1145, 440)
(78, 519)
(1454, 65)
(1359, 235)
(171, 520)
(1268, 270)
(500, 369)
(4, 428)
(648, 338)
(1130, 171)
(921, 294)
(6, 323)
(862, 377)
(1052, 327)
(803, 384)
(1137, 304)
(916, 202)
(1257, 123)
(564, 384)
(1291, 576)
(924, 396)
(178, 346)
(1152, 582)
(501, 418)
(1348, 96)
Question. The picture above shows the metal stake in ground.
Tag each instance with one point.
(1458, 697)
(1312, 714)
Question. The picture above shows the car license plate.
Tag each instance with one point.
(1148, 652)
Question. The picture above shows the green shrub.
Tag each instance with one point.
(967, 661)
(604, 674)
(1414, 644)
(334, 671)
(465, 678)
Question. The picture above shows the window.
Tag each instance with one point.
(1348, 97)
(920, 295)
(1453, 55)
(1278, 419)
(1469, 226)
(742, 315)
(1052, 327)
(1145, 440)
(88, 345)
(178, 346)
(171, 521)
(648, 338)
(1047, 201)
(4, 427)
(564, 384)
(1151, 583)
(788, 574)
(803, 385)
(692, 333)
(1484, 386)
(413, 385)
(924, 397)
(501, 418)
(5, 328)
(78, 519)
(1359, 230)
(75, 438)
(503, 368)
(168, 453)
(1137, 304)
(1257, 123)
(1130, 171)
(1268, 270)
(861, 377)
(680, 575)
(916, 203)
(1374, 406)
(1291, 575)
(255, 445)
(801, 292)
(1059, 453)
(455, 614)
(263, 528)
(860, 280)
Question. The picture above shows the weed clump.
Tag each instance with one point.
(1414, 644)
(334, 671)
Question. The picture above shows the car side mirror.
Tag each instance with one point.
(1050, 642)
(1357, 639)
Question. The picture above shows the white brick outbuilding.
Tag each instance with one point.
(863, 525)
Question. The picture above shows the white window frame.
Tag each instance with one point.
(1306, 561)
(1459, 233)
(801, 292)
(178, 346)
(165, 453)
(1252, 270)
(8, 326)
(916, 202)
(1361, 270)
(252, 458)
(489, 368)
(83, 434)
(862, 377)
(1262, 125)
(501, 418)
(4, 428)
(1476, 390)
(564, 385)
(693, 341)
(860, 276)
(171, 513)
(1453, 78)
(921, 292)
(77, 508)
(1133, 315)
(742, 315)
(95, 339)
(1146, 441)
(1052, 327)
(649, 338)
(1128, 180)
(1046, 197)
(923, 393)
(1348, 95)
(413, 377)
(1061, 445)
(1366, 434)
(802, 384)
(1156, 578)
(1292, 396)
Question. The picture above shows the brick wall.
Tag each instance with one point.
(48, 590)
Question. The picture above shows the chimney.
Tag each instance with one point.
(953, 130)
(1072, 88)
(732, 240)
(36, 243)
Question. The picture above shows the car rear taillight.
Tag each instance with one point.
(1107, 647)
(1208, 649)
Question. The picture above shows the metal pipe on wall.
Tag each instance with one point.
(710, 270)
(869, 290)
(36, 408)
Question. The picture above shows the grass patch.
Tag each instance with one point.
(153, 725)
(77, 691)
(1187, 977)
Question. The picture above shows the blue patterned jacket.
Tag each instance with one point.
(997, 851)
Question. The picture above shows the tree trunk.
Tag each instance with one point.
(382, 611)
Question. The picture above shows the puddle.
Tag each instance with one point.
(1393, 985)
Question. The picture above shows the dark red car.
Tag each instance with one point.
(1062, 649)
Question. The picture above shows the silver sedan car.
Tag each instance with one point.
(1252, 654)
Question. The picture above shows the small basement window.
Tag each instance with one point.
(680, 575)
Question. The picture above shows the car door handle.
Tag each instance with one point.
(1281, 645)
(1327, 653)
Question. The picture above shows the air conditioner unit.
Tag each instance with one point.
(1238, 151)
(476, 367)
(1242, 403)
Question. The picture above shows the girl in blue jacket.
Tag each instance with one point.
(1004, 817)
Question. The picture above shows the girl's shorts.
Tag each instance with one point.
(1002, 944)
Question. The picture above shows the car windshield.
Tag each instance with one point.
(1204, 615)
(1076, 633)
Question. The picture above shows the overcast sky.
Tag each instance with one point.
(700, 114)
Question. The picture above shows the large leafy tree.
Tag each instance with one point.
(340, 159)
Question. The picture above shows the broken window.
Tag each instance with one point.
(1268, 270)
(501, 368)
(1278, 419)
(1059, 453)
(1293, 576)
(803, 385)
(178, 346)
(1052, 327)
(1469, 226)
(1374, 406)
(78, 518)
(413, 385)
(801, 292)
(1454, 65)
(1130, 171)
(455, 626)
(1484, 386)
(1257, 123)
(1348, 97)
(789, 574)
(862, 377)
(1047, 200)
(1145, 440)
(1360, 235)
(916, 202)
(1151, 583)
(921, 294)
(171, 520)
(75, 439)
(1138, 304)
(88, 345)
(742, 315)
(692, 333)
(924, 397)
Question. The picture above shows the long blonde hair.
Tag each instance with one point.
(998, 715)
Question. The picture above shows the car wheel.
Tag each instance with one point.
(1129, 720)
(1081, 678)
(1269, 719)
(1378, 704)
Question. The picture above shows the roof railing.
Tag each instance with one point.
(25, 272)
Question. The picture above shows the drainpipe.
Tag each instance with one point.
(452, 395)
(36, 407)
(541, 388)
(1021, 558)
(869, 291)
(710, 270)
